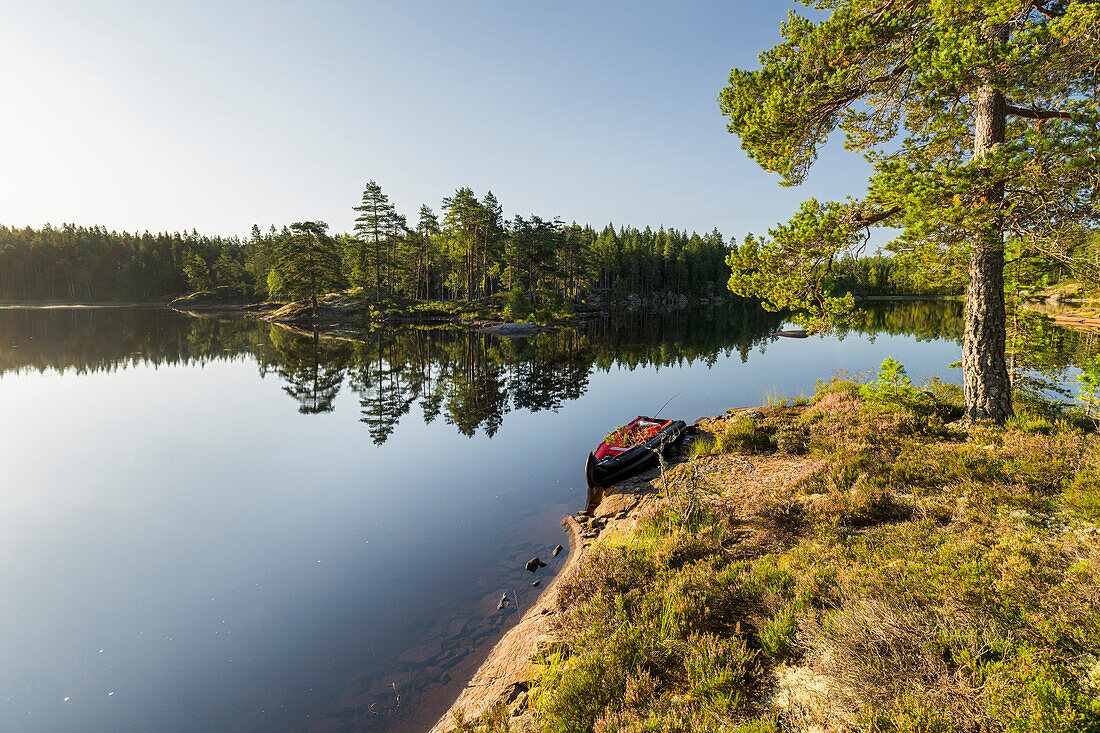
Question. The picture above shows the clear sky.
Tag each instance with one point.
(218, 115)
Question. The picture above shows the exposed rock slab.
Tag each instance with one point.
(515, 330)
(503, 677)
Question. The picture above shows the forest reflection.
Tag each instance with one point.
(473, 380)
(468, 379)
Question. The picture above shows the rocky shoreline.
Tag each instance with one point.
(341, 312)
(1082, 315)
(502, 680)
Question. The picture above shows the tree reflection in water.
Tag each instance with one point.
(471, 379)
(313, 369)
(474, 379)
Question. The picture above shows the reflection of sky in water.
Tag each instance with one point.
(183, 538)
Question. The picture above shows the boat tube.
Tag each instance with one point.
(630, 449)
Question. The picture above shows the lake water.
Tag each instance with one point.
(219, 525)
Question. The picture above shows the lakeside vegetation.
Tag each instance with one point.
(1068, 267)
(859, 560)
(979, 121)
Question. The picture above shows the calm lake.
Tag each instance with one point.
(219, 525)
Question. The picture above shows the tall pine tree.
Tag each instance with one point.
(980, 118)
(371, 228)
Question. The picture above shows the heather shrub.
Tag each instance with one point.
(788, 514)
(792, 437)
(683, 546)
(746, 435)
(608, 569)
(1042, 462)
(724, 671)
(495, 720)
(1082, 495)
(935, 580)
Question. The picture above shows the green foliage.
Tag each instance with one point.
(276, 284)
(82, 263)
(745, 435)
(1082, 494)
(930, 582)
(308, 262)
(790, 271)
(892, 383)
(197, 272)
(700, 447)
(940, 98)
(370, 251)
(517, 306)
(1089, 379)
(472, 255)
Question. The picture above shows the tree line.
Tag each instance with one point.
(467, 251)
(92, 263)
(1031, 266)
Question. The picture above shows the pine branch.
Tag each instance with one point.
(1040, 6)
(859, 221)
(1037, 114)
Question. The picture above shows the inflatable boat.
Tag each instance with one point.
(629, 449)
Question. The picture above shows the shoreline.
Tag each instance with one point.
(502, 679)
(47, 305)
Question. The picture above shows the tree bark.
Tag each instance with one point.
(986, 388)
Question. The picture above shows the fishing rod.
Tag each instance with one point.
(670, 399)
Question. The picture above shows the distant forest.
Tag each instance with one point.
(1074, 255)
(469, 251)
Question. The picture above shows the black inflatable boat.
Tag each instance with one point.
(630, 449)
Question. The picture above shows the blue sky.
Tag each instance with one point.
(218, 115)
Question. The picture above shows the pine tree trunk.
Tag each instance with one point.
(986, 388)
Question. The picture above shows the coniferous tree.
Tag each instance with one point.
(198, 271)
(980, 118)
(427, 250)
(371, 230)
(308, 262)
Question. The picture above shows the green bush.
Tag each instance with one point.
(517, 306)
(745, 435)
(1082, 495)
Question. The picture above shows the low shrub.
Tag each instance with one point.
(1082, 494)
(745, 435)
(931, 579)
